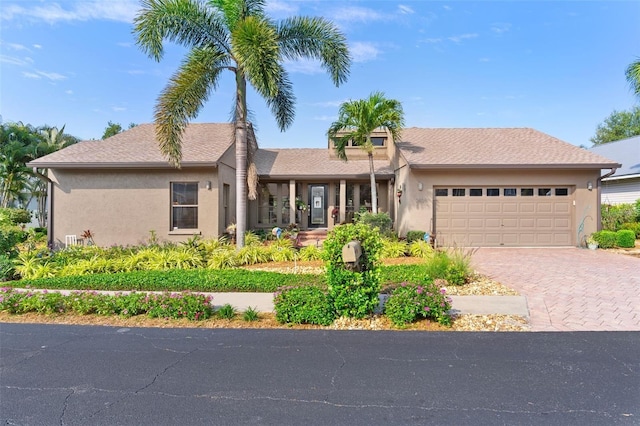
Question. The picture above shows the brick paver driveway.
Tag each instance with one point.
(569, 289)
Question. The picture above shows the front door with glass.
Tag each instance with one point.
(317, 206)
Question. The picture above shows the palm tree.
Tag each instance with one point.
(633, 76)
(236, 36)
(357, 120)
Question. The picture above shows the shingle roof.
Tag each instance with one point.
(626, 151)
(492, 147)
(310, 163)
(202, 144)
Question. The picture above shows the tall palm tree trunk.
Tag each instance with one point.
(374, 190)
(241, 158)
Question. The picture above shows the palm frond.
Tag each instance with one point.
(633, 76)
(282, 105)
(185, 94)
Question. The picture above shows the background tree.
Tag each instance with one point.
(112, 129)
(633, 76)
(619, 125)
(236, 36)
(357, 120)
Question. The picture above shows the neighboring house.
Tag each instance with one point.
(469, 187)
(624, 185)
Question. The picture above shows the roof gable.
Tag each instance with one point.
(203, 144)
(493, 147)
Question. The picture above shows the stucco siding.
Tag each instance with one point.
(122, 207)
(620, 191)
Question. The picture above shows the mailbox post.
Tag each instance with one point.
(351, 253)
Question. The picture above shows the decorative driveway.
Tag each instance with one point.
(569, 289)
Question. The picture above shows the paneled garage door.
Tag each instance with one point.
(503, 216)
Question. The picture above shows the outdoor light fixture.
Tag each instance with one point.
(419, 186)
(590, 185)
(208, 184)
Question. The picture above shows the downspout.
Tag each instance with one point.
(599, 210)
(49, 206)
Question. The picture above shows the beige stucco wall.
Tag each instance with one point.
(121, 207)
(227, 175)
(415, 212)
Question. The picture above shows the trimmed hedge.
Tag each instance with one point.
(626, 238)
(605, 239)
(228, 280)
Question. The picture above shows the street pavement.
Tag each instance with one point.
(87, 375)
(569, 289)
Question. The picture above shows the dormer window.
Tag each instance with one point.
(378, 141)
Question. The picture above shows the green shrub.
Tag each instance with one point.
(13, 216)
(408, 302)
(208, 280)
(636, 207)
(605, 239)
(10, 237)
(382, 221)
(421, 248)
(226, 311)
(7, 271)
(613, 216)
(353, 293)
(394, 274)
(393, 249)
(632, 226)
(251, 314)
(626, 238)
(308, 253)
(303, 305)
(438, 265)
(459, 269)
(415, 236)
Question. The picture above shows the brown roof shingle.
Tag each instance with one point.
(309, 163)
(202, 144)
(493, 147)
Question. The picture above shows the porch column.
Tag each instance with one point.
(293, 218)
(278, 206)
(356, 198)
(343, 201)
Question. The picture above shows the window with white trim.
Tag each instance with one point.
(184, 205)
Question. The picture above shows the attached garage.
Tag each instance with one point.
(503, 216)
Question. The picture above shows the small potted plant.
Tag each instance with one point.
(591, 242)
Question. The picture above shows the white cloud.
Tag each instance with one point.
(461, 37)
(500, 27)
(15, 46)
(40, 74)
(356, 14)
(118, 109)
(124, 44)
(13, 60)
(109, 10)
(280, 7)
(433, 40)
(37, 46)
(303, 66)
(363, 52)
(31, 75)
(406, 10)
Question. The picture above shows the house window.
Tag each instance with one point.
(526, 192)
(510, 192)
(562, 192)
(184, 205)
(475, 192)
(458, 192)
(442, 192)
(544, 192)
(378, 141)
(493, 192)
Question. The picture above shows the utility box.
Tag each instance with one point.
(351, 252)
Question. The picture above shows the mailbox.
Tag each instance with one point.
(351, 252)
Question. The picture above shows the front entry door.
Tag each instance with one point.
(317, 206)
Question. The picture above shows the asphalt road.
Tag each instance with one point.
(80, 375)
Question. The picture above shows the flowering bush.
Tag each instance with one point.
(408, 302)
(167, 305)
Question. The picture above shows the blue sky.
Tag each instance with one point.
(556, 66)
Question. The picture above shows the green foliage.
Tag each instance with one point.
(613, 216)
(168, 305)
(226, 311)
(353, 293)
(7, 270)
(454, 266)
(625, 238)
(13, 216)
(415, 236)
(636, 207)
(112, 129)
(204, 280)
(408, 302)
(309, 253)
(393, 249)
(605, 239)
(619, 125)
(251, 314)
(421, 248)
(632, 226)
(10, 237)
(303, 305)
(382, 221)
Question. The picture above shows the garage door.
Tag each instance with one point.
(503, 216)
